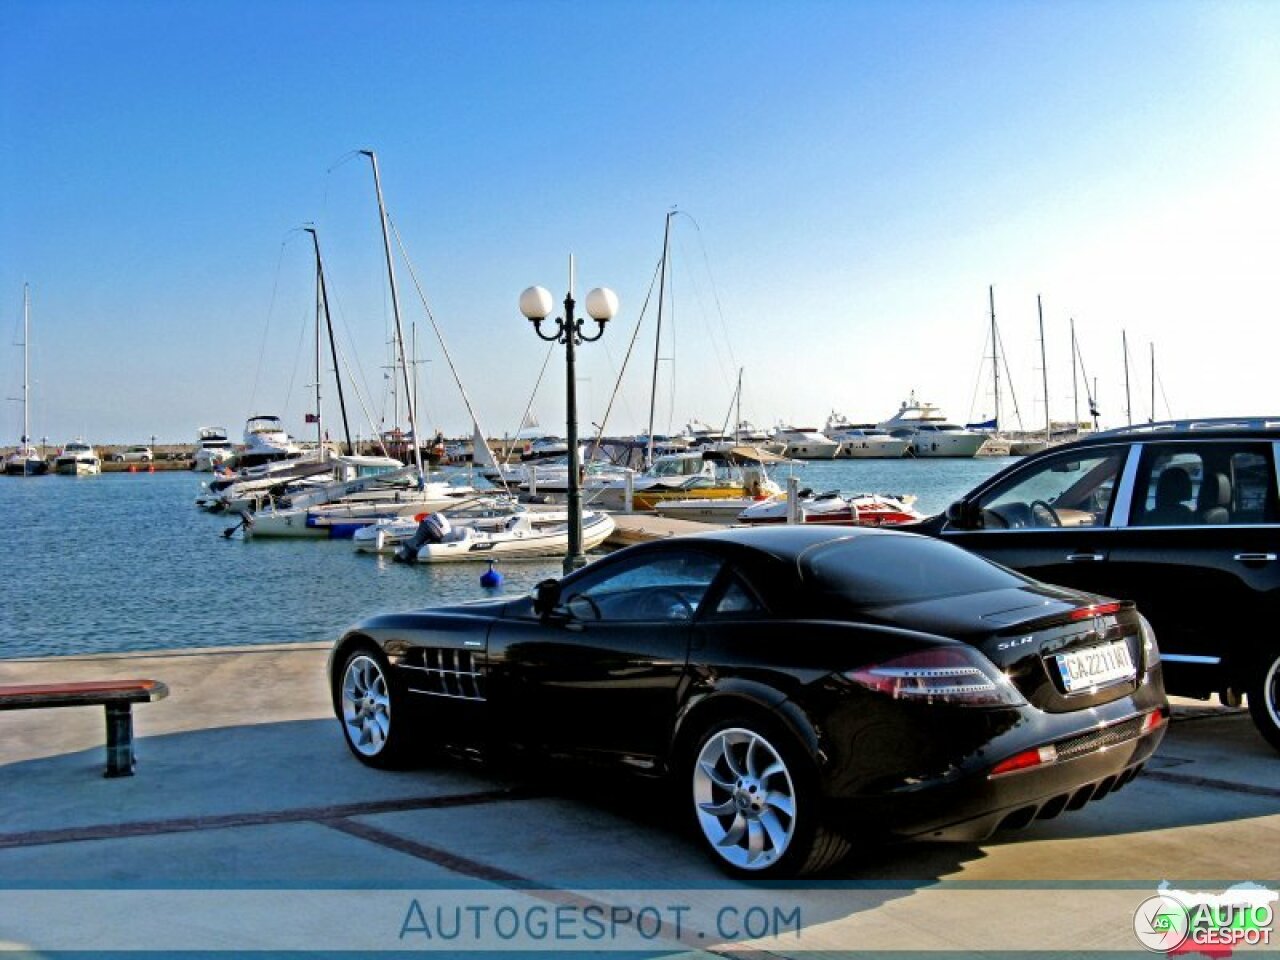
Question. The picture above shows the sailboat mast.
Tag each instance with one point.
(1044, 372)
(737, 417)
(995, 359)
(26, 370)
(1153, 383)
(657, 337)
(333, 345)
(1128, 404)
(319, 425)
(395, 309)
(1075, 383)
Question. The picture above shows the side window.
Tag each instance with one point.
(666, 587)
(737, 601)
(1072, 490)
(1253, 479)
(1205, 484)
(1174, 476)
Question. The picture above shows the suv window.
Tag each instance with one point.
(1212, 483)
(1073, 490)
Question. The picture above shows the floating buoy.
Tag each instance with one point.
(133, 468)
(151, 469)
(491, 579)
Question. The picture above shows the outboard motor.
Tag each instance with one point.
(433, 528)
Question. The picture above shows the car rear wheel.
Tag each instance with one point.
(1264, 699)
(370, 709)
(756, 802)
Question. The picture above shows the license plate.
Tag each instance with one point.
(1095, 666)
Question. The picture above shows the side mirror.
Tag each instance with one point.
(546, 597)
(961, 515)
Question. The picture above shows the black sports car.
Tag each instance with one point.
(805, 687)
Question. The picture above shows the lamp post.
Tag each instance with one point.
(602, 303)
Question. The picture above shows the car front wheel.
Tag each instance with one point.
(1264, 699)
(756, 802)
(370, 710)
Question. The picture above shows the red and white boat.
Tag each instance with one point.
(858, 509)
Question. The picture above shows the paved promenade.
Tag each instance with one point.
(249, 826)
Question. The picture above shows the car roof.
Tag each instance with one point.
(1225, 428)
(784, 541)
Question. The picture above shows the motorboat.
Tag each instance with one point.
(244, 489)
(929, 433)
(77, 459)
(690, 474)
(385, 535)
(523, 535)
(213, 449)
(757, 488)
(320, 513)
(544, 448)
(265, 441)
(859, 441)
(858, 509)
(805, 443)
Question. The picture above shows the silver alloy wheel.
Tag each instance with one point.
(1271, 692)
(366, 705)
(744, 798)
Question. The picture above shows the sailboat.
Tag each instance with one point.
(26, 461)
(1016, 443)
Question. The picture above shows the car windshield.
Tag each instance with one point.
(872, 570)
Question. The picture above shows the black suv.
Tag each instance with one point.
(1181, 517)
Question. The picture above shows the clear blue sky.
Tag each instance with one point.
(854, 174)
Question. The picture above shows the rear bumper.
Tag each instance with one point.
(971, 805)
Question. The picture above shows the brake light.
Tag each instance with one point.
(959, 676)
(1155, 720)
(1026, 760)
(1097, 610)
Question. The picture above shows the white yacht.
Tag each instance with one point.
(77, 459)
(805, 443)
(266, 440)
(863, 440)
(929, 432)
(213, 449)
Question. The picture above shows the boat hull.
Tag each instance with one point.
(872, 449)
(76, 468)
(518, 544)
(926, 446)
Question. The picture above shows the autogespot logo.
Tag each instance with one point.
(1161, 923)
(1206, 922)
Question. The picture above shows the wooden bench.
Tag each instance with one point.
(118, 696)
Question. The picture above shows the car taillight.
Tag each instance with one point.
(960, 676)
(1097, 610)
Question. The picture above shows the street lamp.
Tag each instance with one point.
(602, 303)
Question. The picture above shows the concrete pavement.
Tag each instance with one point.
(249, 826)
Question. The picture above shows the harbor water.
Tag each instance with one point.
(124, 561)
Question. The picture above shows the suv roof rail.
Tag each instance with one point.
(1207, 423)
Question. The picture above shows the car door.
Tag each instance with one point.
(602, 673)
(1208, 575)
(1053, 519)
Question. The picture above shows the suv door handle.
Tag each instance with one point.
(1086, 557)
(1255, 557)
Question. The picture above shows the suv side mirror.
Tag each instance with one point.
(546, 597)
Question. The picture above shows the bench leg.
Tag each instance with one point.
(120, 759)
